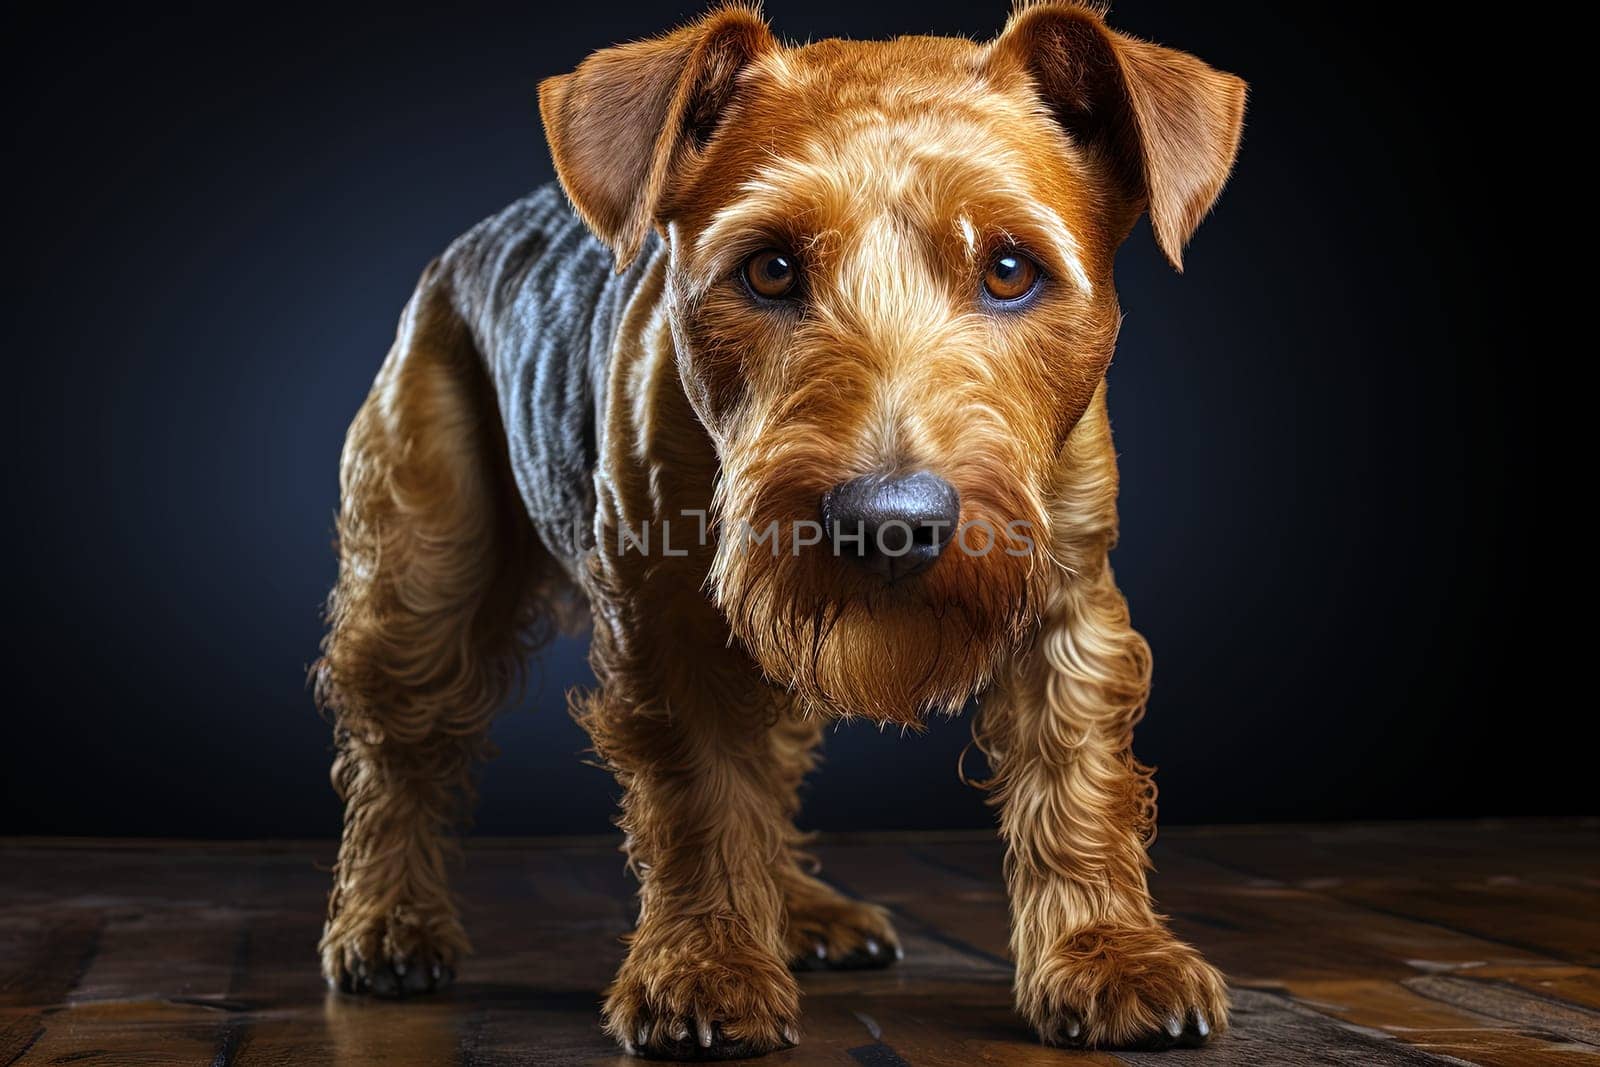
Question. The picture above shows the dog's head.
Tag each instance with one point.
(890, 286)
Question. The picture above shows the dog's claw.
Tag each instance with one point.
(385, 984)
(416, 980)
(391, 979)
(691, 1038)
(872, 954)
(1196, 1033)
(1176, 1032)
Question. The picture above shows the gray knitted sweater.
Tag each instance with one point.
(544, 301)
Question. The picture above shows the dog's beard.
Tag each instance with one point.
(847, 644)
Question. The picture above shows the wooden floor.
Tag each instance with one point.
(1394, 944)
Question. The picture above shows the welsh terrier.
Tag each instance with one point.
(795, 390)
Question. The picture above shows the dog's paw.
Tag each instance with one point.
(393, 979)
(687, 992)
(1123, 987)
(390, 958)
(833, 932)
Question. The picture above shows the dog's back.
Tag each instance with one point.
(543, 300)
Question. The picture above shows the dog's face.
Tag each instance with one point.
(891, 296)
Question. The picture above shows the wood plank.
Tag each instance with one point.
(371, 1033)
(1544, 851)
(959, 917)
(1539, 919)
(928, 1023)
(1502, 1000)
(951, 878)
(128, 1032)
(1572, 984)
(43, 954)
(1276, 1030)
(119, 997)
(280, 1014)
(1445, 1029)
(1461, 879)
(179, 953)
(1344, 960)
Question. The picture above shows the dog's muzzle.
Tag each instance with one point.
(895, 525)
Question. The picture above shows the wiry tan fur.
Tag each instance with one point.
(891, 171)
(1095, 964)
(437, 608)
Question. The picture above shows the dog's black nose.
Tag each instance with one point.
(893, 524)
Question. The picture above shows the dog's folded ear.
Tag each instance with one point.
(1168, 124)
(620, 125)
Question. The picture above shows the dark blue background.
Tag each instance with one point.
(1326, 448)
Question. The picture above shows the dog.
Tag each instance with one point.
(793, 391)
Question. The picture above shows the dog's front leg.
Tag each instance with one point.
(685, 729)
(1096, 965)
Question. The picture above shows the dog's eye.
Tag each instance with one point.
(771, 274)
(1010, 277)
